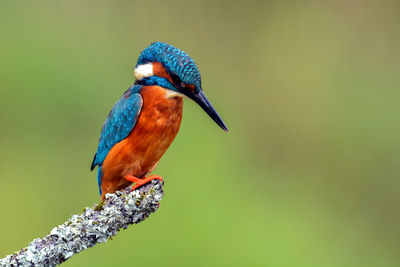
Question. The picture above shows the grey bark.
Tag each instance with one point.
(93, 226)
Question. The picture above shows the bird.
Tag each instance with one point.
(146, 119)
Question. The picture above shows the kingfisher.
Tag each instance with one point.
(145, 120)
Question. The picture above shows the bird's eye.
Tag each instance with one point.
(177, 81)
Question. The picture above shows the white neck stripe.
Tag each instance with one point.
(143, 71)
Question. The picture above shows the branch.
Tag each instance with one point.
(94, 225)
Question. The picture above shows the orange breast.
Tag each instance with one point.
(139, 153)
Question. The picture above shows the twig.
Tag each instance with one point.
(94, 225)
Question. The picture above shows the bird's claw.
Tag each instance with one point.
(141, 181)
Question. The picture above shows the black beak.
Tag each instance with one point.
(203, 102)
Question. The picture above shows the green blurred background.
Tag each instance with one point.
(307, 176)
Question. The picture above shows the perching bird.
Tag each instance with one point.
(145, 121)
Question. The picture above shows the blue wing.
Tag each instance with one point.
(119, 124)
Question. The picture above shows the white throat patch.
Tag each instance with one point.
(143, 71)
(172, 94)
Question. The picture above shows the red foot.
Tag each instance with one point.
(141, 181)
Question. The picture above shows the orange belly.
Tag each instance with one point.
(139, 153)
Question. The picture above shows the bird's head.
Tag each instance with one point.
(166, 66)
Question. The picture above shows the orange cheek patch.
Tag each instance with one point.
(160, 71)
(191, 87)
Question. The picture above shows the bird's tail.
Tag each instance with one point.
(99, 176)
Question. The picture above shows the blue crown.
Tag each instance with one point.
(174, 60)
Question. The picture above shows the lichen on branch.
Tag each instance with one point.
(93, 226)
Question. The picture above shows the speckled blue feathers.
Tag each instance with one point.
(119, 123)
(174, 59)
